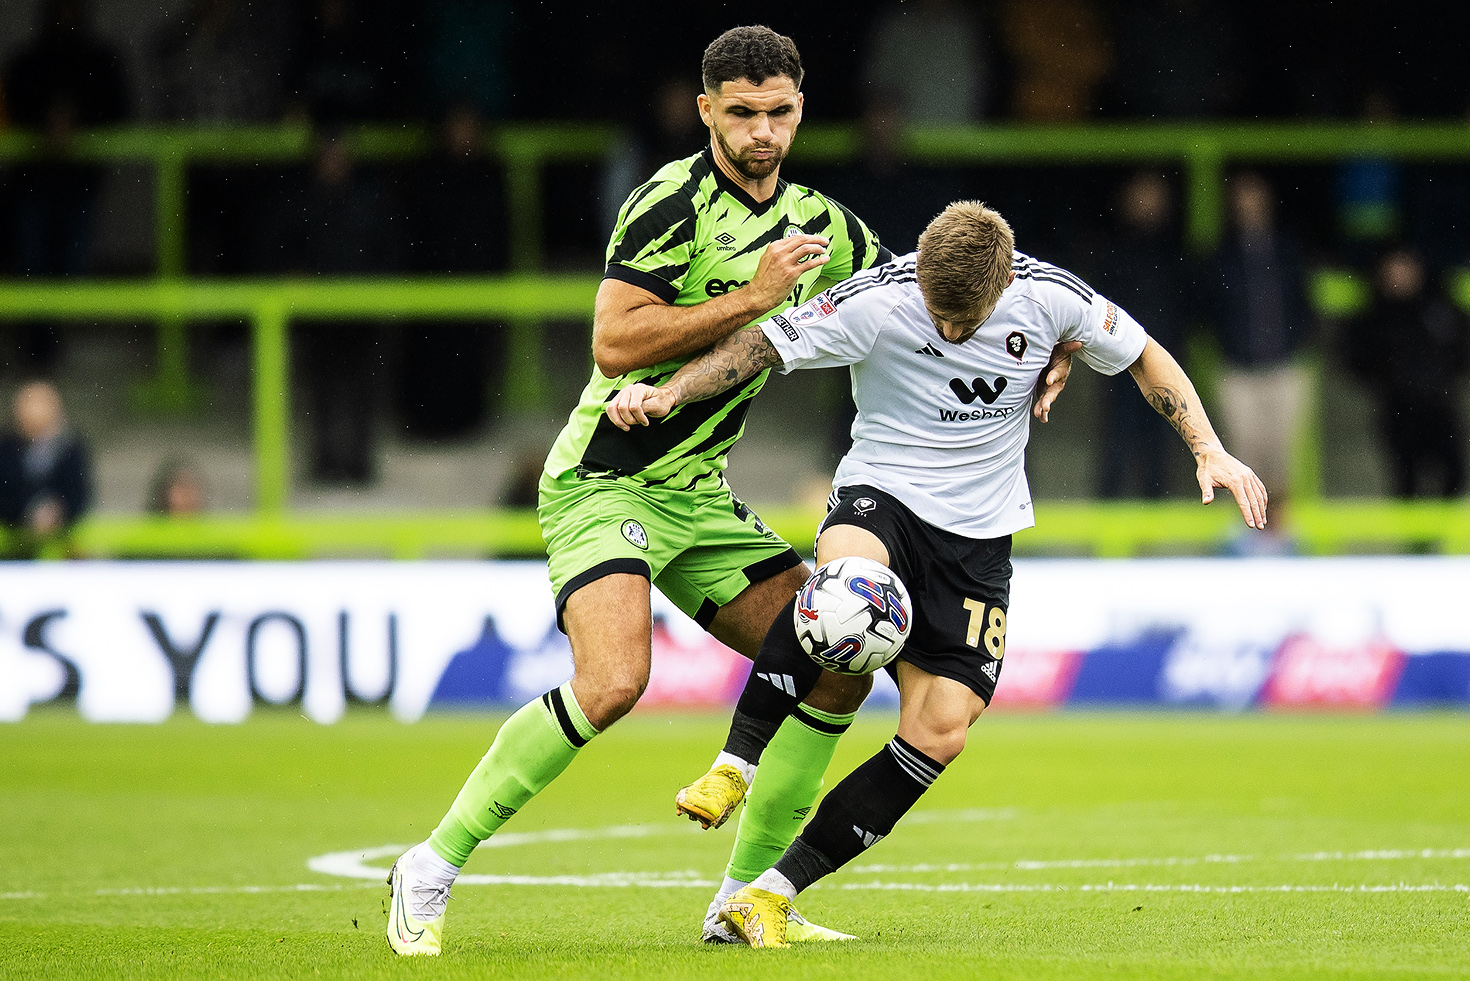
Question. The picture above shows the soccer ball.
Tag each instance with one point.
(852, 616)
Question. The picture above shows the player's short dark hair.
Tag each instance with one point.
(753, 53)
(965, 258)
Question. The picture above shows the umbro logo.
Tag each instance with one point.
(869, 839)
(802, 812)
(501, 811)
(726, 240)
(931, 350)
(783, 682)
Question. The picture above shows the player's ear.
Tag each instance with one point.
(800, 100)
(706, 109)
(1012, 278)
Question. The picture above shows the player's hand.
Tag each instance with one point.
(639, 403)
(1054, 378)
(1219, 469)
(782, 264)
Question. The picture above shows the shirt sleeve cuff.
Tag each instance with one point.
(661, 288)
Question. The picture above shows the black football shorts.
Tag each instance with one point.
(960, 587)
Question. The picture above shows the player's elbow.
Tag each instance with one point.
(612, 358)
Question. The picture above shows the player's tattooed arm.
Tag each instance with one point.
(1169, 390)
(730, 362)
(723, 366)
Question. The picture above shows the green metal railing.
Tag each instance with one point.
(525, 298)
(526, 149)
(1064, 528)
(269, 305)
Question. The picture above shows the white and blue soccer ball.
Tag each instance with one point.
(853, 615)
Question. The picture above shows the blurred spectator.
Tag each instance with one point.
(467, 58)
(896, 199)
(220, 63)
(45, 470)
(1410, 348)
(177, 489)
(670, 129)
(1142, 268)
(1256, 294)
(1060, 55)
(1369, 191)
(459, 226)
(333, 76)
(1183, 59)
(520, 488)
(333, 220)
(928, 56)
(65, 80)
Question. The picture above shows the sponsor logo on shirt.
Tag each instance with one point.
(719, 287)
(791, 332)
(979, 389)
(975, 415)
(1110, 322)
(1016, 345)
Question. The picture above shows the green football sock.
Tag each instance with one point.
(529, 751)
(785, 788)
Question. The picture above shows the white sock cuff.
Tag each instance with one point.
(772, 881)
(729, 888)
(434, 867)
(747, 770)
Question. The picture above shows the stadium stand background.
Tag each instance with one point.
(336, 65)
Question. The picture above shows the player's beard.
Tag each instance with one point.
(750, 168)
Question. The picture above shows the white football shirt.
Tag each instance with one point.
(942, 426)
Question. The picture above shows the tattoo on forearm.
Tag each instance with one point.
(727, 364)
(1171, 404)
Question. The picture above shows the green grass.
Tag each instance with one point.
(137, 852)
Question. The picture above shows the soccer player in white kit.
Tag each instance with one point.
(946, 347)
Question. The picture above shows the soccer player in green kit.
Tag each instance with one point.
(710, 244)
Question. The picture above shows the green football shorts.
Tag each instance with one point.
(700, 548)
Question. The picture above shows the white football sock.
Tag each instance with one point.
(772, 881)
(747, 770)
(432, 869)
(728, 888)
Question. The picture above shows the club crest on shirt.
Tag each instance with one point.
(634, 533)
(864, 505)
(1016, 345)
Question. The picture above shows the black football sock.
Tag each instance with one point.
(781, 677)
(859, 812)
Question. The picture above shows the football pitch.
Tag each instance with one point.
(1058, 846)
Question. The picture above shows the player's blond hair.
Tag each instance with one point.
(965, 258)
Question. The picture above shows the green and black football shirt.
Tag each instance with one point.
(687, 235)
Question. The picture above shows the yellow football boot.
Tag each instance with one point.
(416, 910)
(800, 930)
(758, 917)
(712, 798)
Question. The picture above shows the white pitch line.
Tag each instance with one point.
(1031, 865)
(988, 887)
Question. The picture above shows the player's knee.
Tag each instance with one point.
(939, 739)
(840, 693)
(612, 697)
